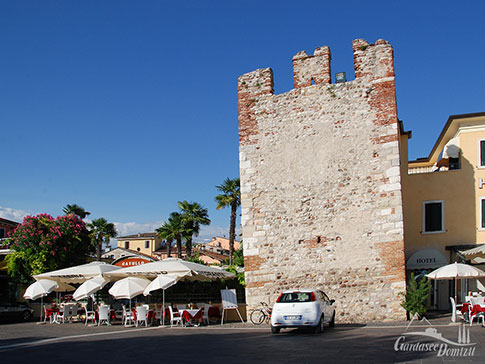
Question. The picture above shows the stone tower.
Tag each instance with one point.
(321, 184)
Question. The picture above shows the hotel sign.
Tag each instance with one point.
(426, 258)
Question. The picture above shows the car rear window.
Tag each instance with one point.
(295, 297)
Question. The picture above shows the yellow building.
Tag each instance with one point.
(444, 201)
(145, 243)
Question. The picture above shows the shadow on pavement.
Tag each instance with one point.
(209, 346)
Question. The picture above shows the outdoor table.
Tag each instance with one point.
(167, 315)
(55, 315)
(51, 312)
(476, 309)
(465, 307)
(189, 315)
(468, 310)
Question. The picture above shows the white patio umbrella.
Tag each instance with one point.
(79, 273)
(64, 287)
(39, 289)
(129, 287)
(161, 282)
(179, 268)
(89, 287)
(455, 271)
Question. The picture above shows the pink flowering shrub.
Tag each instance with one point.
(42, 244)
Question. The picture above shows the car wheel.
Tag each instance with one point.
(275, 330)
(26, 316)
(332, 321)
(321, 325)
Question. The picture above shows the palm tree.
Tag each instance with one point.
(101, 231)
(171, 230)
(194, 215)
(230, 196)
(76, 210)
(164, 232)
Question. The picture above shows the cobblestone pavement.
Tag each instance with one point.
(235, 343)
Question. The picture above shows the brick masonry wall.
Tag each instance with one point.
(321, 184)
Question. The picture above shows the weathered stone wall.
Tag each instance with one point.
(321, 185)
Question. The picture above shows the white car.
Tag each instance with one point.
(302, 308)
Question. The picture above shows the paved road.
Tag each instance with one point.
(76, 343)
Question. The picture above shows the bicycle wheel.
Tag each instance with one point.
(257, 317)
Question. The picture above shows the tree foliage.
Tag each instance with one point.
(239, 275)
(230, 196)
(173, 230)
(415, 299)
(42, 243)
(101, 231)
(76, 210)
(193, 216)
(238, 259)
(237, 264)
(195, 258)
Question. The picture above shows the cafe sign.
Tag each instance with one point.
(131, 262)
(426, 258)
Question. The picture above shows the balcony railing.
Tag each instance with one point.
(431, 169)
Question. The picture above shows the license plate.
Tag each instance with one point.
(293, 317)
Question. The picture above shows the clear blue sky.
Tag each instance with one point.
(126, 107)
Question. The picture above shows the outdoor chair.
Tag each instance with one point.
(141, 315)
(128, 316)
(67, 313)
(175, 317)
(159, 314)
(75, 313)
(205, 313)
(119, 315)
(103, 315)
(90, 315)
(454, 311)
(476, 301)
(61, 315)
(44, 310)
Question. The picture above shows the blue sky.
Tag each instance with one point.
(126, 107)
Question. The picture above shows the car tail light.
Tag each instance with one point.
(278, 300)
(313, 297)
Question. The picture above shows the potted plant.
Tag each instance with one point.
(415, 299)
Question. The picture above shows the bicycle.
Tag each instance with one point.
(259, 315)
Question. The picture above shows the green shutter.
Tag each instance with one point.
(483, 213)
(482, 152)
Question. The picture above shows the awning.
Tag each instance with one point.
(426, 258)
(478, 252)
